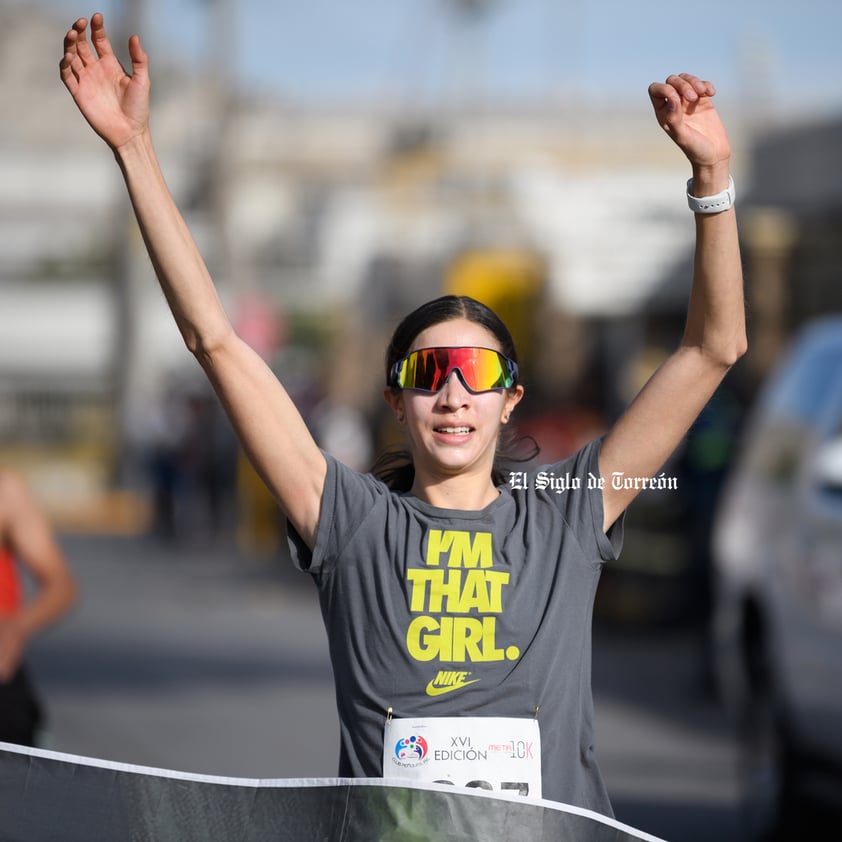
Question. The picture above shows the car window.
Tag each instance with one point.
(807, 386)
(800, 403)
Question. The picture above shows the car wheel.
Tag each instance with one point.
(769, 768)
(761, 771)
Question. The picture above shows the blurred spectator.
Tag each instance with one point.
(704, 466)
(187, 452)
(208, 466)
(26, 540)
(159, 429)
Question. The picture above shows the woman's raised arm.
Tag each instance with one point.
(714, 338)
(268, 424)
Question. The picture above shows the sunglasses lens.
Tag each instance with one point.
(481, 369)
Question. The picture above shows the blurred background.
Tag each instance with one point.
(340, 164)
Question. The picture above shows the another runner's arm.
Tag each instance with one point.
(26, 532)
(268, 424)
(714, 338)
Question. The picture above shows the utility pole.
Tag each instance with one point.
(470, 15)
(127, 285)
(222, 63)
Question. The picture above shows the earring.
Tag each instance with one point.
(400, 419)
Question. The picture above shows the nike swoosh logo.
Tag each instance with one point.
(433, 690)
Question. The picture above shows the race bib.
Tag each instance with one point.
(501, 754)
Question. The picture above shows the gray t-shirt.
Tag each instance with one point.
(497, 601)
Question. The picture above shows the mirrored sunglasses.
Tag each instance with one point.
(480, 369)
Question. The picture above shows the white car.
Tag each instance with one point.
(777, 550)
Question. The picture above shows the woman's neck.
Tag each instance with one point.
(464, 491)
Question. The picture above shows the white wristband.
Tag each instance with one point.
(711, 204)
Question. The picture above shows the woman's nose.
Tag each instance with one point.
(453, 393)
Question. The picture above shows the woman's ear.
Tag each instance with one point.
(394, 397)
(513, 398)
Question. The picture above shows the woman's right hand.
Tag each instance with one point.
(115, 104)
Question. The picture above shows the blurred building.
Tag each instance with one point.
(332, 221)
(792, 236)
(57, 327)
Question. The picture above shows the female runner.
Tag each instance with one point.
(458, 608)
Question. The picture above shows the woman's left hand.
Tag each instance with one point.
(685, 111)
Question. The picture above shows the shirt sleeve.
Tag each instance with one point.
(582, 506)
(349, 499)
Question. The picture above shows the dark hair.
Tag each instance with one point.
(394, 466)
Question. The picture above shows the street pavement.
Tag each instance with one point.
(201, 658)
